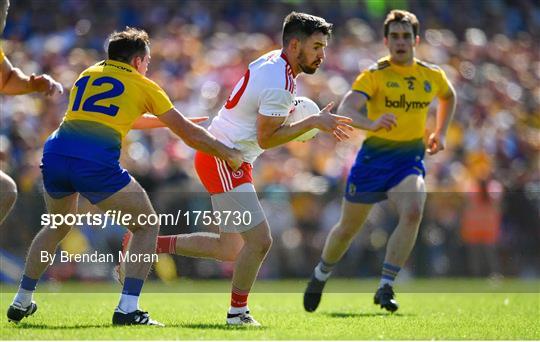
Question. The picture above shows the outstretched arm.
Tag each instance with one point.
(354, 103)
(149, 121)
(199, 138)
(14, 82)
(272, 132)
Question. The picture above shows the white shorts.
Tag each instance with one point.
(239, 208)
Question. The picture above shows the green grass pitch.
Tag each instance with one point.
(429, 309)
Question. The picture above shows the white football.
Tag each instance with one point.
(303, 107)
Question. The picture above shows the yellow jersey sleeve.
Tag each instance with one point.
(157, 101)
(2, 55)
(442, 83)
(365, 84)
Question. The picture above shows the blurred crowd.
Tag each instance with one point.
(489, 50)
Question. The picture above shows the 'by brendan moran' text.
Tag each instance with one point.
(97, 257)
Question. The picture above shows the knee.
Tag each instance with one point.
(59, 233)
(230, 252)
(345, 231)
(9, 191)
(266, 244)
(413, 215)
(262, 245)
(146, 224)
(149, 232)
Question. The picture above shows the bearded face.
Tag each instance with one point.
(312, 53)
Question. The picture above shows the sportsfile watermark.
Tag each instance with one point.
(119, 218)
(445, 255)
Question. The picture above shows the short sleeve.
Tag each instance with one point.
(2, 55)
(157, 101)
(442, 83)
(365, 84)
(275, 102)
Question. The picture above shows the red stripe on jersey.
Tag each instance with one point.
(232, 102)
(286, 78)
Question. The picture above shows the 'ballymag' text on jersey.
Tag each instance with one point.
(406, 92)
(104, 102)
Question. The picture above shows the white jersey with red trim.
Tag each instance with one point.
(267, 88)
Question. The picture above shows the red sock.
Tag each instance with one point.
(239, 297)
(166, 244)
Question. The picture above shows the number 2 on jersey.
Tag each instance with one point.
(89, 105)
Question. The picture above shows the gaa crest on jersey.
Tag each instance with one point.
(427, 86)
(238, 174)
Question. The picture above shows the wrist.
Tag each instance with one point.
(370, 126)
(313, 122)
(440, 132)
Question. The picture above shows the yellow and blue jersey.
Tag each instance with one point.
(406, 92)
(2, 55)
(386, 158)
(104, 102)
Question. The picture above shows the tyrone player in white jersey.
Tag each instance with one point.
(251, 121)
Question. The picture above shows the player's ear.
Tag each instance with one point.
(417, 41)
(136, 62)
(385, 41)
(295, 45)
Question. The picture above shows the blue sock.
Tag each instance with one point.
(26, 290)
(389, 273)
(129, 301)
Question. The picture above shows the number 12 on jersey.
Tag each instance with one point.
(89, 105)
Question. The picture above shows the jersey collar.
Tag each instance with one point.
(284, 56)
(119, 65)
(400, 67)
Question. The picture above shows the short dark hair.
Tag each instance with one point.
(302, 25)
(125, 45)
(401, 16)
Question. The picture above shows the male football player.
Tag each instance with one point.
(252, 120)
(82, 156)
(398, 89)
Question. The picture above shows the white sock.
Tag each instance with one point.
(320, 275)
(23, 297)
(234, 310)
(386, 281)
(128, 303)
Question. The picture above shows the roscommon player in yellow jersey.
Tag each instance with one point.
(397, 92)
(81, 157)
(15, 82)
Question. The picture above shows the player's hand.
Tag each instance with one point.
(386, 121)
(234, 159)
(198, 119)
(45, 84)
(436, 143)
(337, 125)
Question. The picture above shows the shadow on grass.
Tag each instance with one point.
(365, 314)
(62, 327)
(214, 326)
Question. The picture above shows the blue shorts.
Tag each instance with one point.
(63, 176)
(368, 183)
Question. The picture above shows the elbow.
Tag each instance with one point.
(191, 141)
(194, 138)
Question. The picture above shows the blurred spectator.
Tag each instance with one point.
(481, 227)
